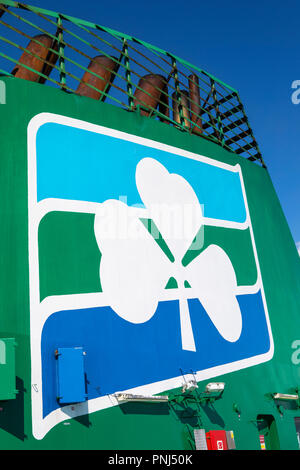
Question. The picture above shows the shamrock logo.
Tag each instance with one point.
(143, 247)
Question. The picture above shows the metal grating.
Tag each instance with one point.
(133, 74)
(200, 439)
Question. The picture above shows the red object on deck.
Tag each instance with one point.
(216, 440)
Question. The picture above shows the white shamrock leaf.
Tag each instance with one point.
(174, 201)
(134, 270)
(213, 278)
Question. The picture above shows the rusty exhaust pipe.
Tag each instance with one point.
(106, 68)
(156, 86)
(195, 103)
(185, 108)
(37, 63)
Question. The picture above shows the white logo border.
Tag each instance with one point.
(39, 312)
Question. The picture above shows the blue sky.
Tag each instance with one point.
(251, 45)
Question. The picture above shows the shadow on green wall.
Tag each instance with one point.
(145, 408)
(12, 413)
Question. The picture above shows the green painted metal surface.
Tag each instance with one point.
(7, 369)
(140, 425)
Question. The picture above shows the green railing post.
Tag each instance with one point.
(220, 135)
(128, 75)
(61, 53)
(178, 94)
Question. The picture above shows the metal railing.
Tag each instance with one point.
(82, 57)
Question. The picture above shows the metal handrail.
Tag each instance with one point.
(221, 117)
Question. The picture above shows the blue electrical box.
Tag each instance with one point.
(71, 383)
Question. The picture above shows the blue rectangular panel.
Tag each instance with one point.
(90, 176)
(70, 375)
